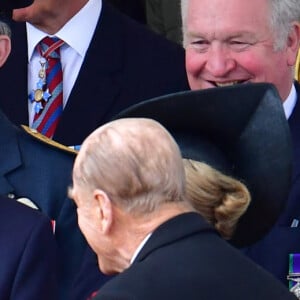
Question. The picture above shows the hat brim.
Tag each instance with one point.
(240, 130)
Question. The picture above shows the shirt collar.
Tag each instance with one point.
(290, 102)
(74, 32)
(139, 248)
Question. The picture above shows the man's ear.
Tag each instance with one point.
(5, 47)
(293, 43)
(104, 210)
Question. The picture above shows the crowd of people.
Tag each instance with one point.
(156, 143)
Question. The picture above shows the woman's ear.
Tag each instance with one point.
(104, 210)
(5, 47)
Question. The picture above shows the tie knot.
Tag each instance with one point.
(50, 47)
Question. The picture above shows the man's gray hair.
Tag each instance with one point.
(5, 29)
(135, 161)
(282, 15)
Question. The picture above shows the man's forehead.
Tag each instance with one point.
(224, 35)
(232, 10)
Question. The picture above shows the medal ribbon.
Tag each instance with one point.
(51, 48)
(294, 268)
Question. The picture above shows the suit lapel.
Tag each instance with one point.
(292, 209)
(173, 230)
(294, 123)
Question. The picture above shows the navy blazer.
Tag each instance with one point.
(272, 252)
(28, 265)
(136, 9)
(89, 278)
(125, 64)
(33, 169)
(186, 259)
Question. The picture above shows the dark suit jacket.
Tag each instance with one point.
(186, 259)
(133, 8)
(272, 251)
(35, 170)
(125, 64)
(28, 265)
(89, 279)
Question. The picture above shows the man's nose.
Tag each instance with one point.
(220, 61)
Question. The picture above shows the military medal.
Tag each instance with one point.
(40, 95)
(295, 289)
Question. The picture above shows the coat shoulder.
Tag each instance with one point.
(47, 141)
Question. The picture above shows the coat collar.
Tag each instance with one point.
(294, 123)
(175, 229)
(294, 119)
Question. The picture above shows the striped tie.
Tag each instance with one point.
(46, 120)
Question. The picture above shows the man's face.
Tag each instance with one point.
(83, 200)
(90, 223)
(230, 42)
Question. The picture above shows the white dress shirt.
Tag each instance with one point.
(77, 34)
(139, 248)
(290, 102)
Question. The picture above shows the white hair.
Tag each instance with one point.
(5, 29)
(282, 15)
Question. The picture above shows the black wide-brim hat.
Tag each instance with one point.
(241, 131)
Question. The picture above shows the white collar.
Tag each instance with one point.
(139, 248)
(290, 102)
(74, 32)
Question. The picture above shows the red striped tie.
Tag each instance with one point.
(46, 120)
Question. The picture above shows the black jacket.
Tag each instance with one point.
(186, 259)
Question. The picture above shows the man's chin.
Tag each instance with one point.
(20, 14)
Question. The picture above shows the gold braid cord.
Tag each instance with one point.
(44, 139)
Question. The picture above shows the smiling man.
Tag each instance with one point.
(239, 41)
(235, 41)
